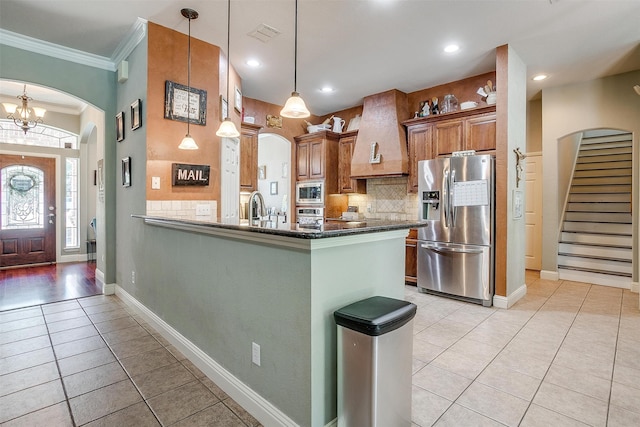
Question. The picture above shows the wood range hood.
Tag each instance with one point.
(381, 145)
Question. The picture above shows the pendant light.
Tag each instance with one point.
(227, 129)
(295, 108)
(187, 142)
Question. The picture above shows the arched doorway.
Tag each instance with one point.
(274, 171)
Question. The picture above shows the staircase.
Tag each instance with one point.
(596, 240)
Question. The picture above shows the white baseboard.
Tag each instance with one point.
(259, 407)
(72, 258)
(596, 279)
(635, 287)
(332, 423)
(548, 275)
(505, 302)
(107, 288)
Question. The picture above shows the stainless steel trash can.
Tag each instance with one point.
(375, 345)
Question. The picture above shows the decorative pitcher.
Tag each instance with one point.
(338, 124)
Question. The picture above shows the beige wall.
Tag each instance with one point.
(602, 103)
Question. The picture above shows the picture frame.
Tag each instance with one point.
(237, 105)
(126, 172)
(120, 126)
(224, 108)
(273, 188)
(176, 97)
(136, 114)
(262, 172)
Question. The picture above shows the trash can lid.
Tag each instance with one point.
(376, 315)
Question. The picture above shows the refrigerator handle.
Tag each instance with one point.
(451, 250)
(445, 191)
(452, 198)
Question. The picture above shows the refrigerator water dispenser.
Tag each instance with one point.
(431, 205)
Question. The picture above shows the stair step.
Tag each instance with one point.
(613, 137)
(602, 265)
(604, 189)
(599, 207)
(594, 227)
(592, 173)
(590, 275)
(597, 238)
(609, 252)
(599, 145)
(600, 198)
(604, 165)
(605, 152)
(603, 159)
(603, 180)
(601, 217)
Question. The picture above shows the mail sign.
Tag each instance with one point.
(190, 174)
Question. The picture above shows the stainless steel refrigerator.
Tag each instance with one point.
(456, 248)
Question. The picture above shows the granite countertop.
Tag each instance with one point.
(332, 229)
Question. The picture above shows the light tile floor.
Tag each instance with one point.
(91, 361)
(568, 354)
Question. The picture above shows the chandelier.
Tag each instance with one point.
(24, 117)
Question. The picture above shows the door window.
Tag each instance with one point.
(22, 198)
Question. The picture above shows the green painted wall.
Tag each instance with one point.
(98, 88)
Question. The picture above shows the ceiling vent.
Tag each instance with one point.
(264, 33)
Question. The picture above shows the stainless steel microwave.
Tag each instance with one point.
(310, 193)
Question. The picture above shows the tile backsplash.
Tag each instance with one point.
(199, 210)
(386, 198)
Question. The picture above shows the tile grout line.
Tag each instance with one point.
(615, 355)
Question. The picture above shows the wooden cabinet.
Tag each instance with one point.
(440, 135)
(345, 153)
(249, 157)
(411, 258)
(317, 158)
(420, 139)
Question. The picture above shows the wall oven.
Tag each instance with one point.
(310, 193)
(310, 217)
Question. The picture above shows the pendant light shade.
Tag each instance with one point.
(227, 129)
(188, 143)
(295, 107)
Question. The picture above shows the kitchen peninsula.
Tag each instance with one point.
(237, 285)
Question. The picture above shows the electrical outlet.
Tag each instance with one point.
(203, 210)
(368, 207)
(133, 277)
(155, 182)
(255, 353)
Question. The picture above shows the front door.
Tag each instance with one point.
(28, 213)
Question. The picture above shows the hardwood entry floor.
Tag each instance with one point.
(28, 286)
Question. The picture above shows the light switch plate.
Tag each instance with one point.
(155, 182)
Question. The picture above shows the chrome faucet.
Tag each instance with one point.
(257, 209)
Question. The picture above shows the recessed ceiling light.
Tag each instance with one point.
(326, 89)
(452, 48)
(253, 63)
(540, 77)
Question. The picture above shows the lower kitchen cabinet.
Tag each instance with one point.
(411, 258)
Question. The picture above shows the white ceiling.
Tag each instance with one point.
(361, 47)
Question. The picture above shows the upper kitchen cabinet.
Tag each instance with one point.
(441, 135)
(345, 154)
(317, 158)
(249, 157)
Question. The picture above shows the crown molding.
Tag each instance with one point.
(135, 35)
(42, 47)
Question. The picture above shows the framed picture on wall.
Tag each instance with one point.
(136, 114)
(238, 104)
(224, 108)
(120, 126)
(126, 172)
(183, 103)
